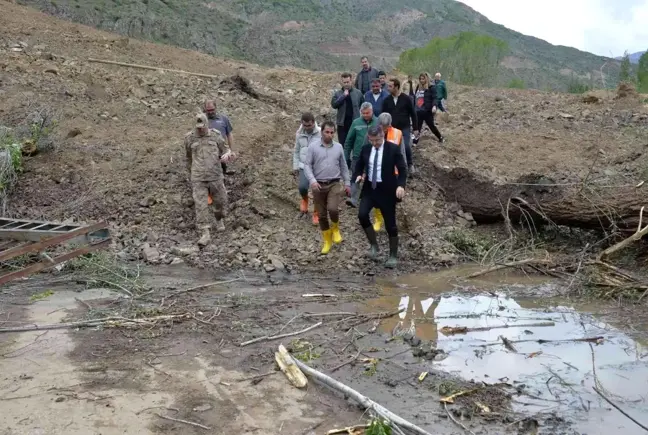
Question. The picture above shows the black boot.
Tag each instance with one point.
(392, 261)
(373, 242)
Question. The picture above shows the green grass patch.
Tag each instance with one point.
(40, 296)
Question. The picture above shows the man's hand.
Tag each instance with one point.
(226, 157)
(359, 179)
(434, 109)
(400, 192)
(347, 189)
(315, 186)
(346, 92)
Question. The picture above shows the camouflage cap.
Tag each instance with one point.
(201, 120)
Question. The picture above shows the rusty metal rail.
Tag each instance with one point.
(21, 237)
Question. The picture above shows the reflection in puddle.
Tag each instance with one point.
(542, 357)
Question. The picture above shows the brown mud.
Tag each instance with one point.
(109, 380)
(119, 158)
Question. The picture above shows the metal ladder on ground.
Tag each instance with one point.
(19, 237)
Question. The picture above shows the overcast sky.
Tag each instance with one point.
(604, 27)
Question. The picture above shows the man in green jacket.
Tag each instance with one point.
(355, 140)
(441, 91)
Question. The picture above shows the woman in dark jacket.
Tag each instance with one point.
(425, 102)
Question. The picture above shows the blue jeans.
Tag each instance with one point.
(407, 139)
(303, 184)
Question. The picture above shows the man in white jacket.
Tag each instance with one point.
(308, 133)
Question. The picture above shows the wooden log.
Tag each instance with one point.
(535, 197)
(364, 401)
(291, 370)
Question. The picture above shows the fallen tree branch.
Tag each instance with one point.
(507, 265)
(364, 401)
(106, 321)
(190, 423)
(349, 361)
(619, 409)
(152, 68)
(623, 243)
(541, 341)
(202, 286)
(255, 377)
(334, 314)
(455, 421)
(452, 330)
(276, 337)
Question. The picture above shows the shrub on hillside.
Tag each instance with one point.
(517, 84)
(468, 58)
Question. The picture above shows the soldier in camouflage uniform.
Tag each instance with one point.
(203, 147)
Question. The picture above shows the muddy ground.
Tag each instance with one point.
(119, 158)
(120, 380)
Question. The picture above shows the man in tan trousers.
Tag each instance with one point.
(203, 147)
(328, 175)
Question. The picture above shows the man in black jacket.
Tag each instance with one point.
(347, 101)
(382, 188)
(401, 108)
(365, 76)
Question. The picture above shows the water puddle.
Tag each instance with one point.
(552, 354)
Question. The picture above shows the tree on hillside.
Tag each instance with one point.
(642, 74)
(468, 58)
(624, 72)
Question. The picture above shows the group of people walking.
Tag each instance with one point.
(376, 125)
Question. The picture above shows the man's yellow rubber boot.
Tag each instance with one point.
(327, 237)
(315, 217)
(303, 205)
(378, 220)
(335, 228)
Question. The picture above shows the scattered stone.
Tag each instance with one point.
(147, 202)
(277, 262)
(202, 408)
(150, 254)
(566, 116)
(185, 250)
(250, 250)
(52, 70)
(269, 268)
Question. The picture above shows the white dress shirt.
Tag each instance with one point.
(372, 156)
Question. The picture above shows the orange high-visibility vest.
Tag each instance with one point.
(394, 135)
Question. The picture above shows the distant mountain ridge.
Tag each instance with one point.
(634, 57)
(330, 35)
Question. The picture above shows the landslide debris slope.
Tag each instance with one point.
(120, 154)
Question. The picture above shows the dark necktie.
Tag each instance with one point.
(374, 171)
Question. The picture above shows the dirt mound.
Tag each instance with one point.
(626, 90)
(120, 155)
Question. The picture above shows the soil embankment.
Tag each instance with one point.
(120, 156)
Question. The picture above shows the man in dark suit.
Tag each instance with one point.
(382, 189)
